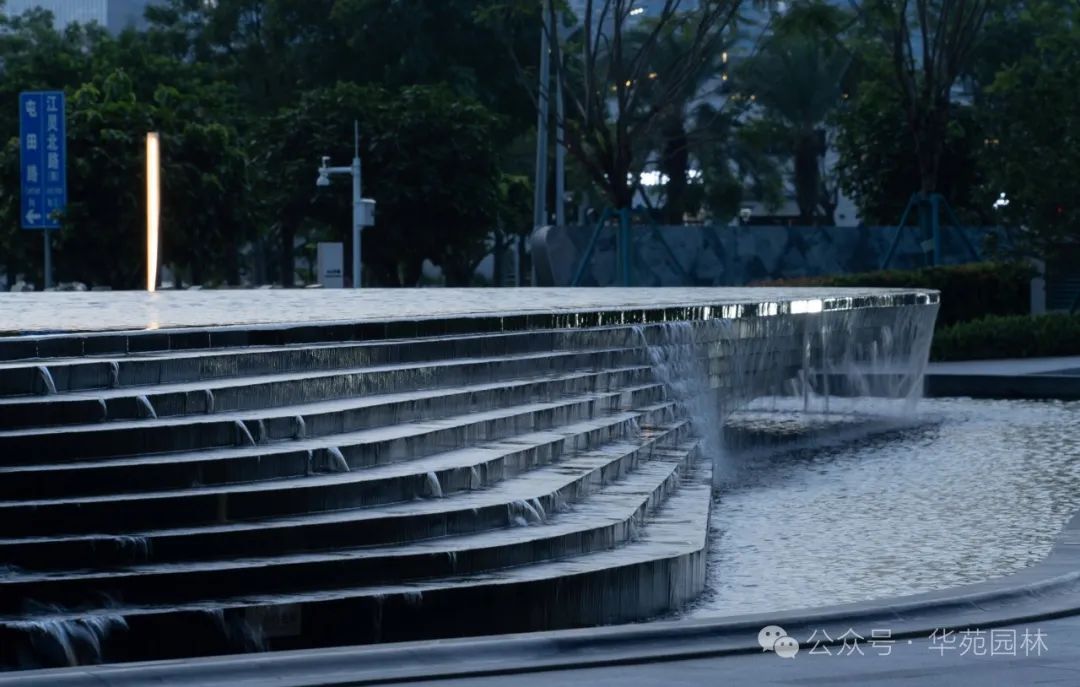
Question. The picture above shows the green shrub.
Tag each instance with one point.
(1008, 337)
(967, 291)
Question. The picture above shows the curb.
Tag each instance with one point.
(1028, 386)
(1045, 591)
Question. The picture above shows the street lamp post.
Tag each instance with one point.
(363, 208)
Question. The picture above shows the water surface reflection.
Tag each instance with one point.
(968, 490)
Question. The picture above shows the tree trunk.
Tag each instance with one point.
(287, 258)
(674, 164)
(807, 177)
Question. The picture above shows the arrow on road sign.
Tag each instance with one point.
(33, 216)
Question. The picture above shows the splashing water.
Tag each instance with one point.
(336, 462)
(523, 513)
(46, 380)
(301, 427)
(539, 508)
(679, 362)
(139, 547)
(70, 641)
(145, 409)
(209, 394)
(243, 435)
(475, 482)
(261, 431)
(559, 504)
(835, 361)
(114, 374)
(432, 487)
(104, 409)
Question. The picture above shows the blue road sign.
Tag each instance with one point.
(43, 158)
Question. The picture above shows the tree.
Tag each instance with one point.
(676, 130)
(614, 109)
(878, 166)
(930, 44)
(428, 158)
(33, 56)
(118, 89)
(797, 80)
(1034, 132)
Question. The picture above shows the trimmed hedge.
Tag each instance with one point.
(967, 291)
(1008, 337)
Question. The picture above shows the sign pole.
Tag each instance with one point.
(48, 259)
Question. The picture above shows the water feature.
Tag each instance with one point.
(47, 383)
(243, 434)
(831, 362)
(72, 641)
(336, 460)
(146, 410)
(432, 488)
(616, 453)
(863, 507)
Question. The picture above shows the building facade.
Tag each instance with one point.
(115, 15)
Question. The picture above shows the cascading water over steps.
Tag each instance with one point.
(345, 490)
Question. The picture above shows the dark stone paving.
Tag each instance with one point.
(922, 662)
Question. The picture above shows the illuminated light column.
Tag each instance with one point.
(153, 208)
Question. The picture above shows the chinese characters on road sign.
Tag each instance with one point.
(43, 158)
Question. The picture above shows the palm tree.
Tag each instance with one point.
(797, 80)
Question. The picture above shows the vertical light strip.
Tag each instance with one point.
(153, 208)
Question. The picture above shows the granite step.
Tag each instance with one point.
(28, 378)
(253, 392)
(662, 567)
(96, 443)
(281, 460)
(569, 479)
(342, 453)
(305, 419)
(606, 519)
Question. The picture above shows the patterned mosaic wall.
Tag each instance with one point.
(735, 256)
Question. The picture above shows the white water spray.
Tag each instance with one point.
(432, 487)
(146, 410)
(337, 462)
(243, 434)
(833, 360)
(46, 380)
(71, 641)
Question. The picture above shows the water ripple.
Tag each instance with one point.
(970, 491)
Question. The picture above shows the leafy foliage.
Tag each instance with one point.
(967, 291)
(1017, 336)
(1033, 115)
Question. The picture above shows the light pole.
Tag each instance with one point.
(363, 208)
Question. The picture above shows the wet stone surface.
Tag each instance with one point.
(961, 491)
(136, 310)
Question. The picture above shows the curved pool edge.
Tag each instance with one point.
(1047, 590)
